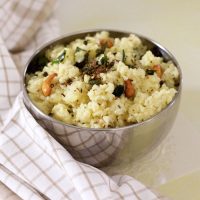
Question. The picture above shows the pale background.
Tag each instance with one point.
(176, 25)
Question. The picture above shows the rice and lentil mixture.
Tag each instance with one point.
(103, 82)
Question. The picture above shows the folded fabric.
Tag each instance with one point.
(33, 165)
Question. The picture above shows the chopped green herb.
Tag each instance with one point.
(150, 72)
(79, 49)
(60, 58)
(104, 60)
(55, 62)
(123, 56)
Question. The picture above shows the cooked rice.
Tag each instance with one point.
(88, 72)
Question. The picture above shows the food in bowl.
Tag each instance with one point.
(103, 82)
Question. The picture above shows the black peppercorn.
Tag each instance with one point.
(45, 74)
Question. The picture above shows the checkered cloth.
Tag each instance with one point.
(33, 165)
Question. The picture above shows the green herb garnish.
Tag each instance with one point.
(104, 60)
(79, 49)
(60, 58)
(123, 56)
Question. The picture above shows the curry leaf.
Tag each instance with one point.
(60, 58)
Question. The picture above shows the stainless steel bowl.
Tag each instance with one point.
(100, 146)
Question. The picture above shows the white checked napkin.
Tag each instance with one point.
(33, 165)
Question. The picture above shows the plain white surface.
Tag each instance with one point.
(175, 25)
